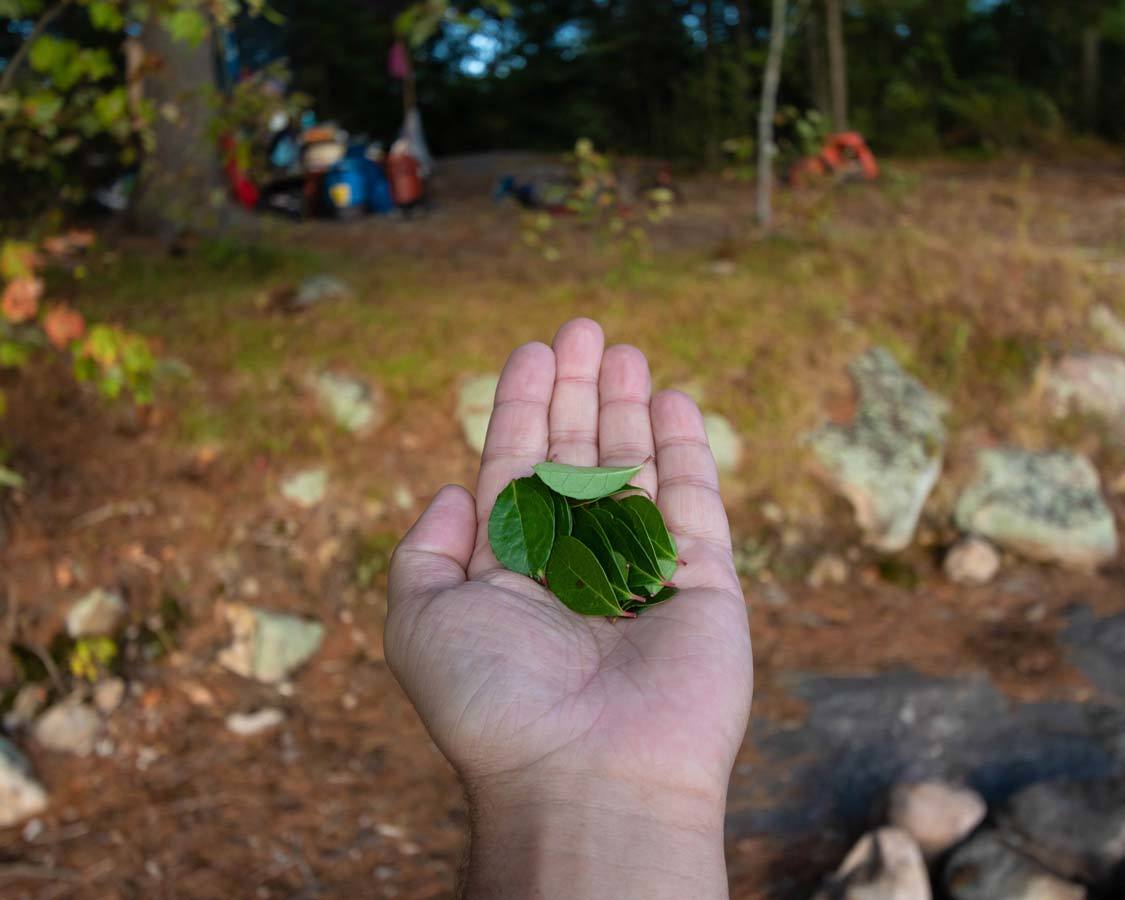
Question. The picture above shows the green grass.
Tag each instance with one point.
(970, 314)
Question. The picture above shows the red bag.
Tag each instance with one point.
(405, 177)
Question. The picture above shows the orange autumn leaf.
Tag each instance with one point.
(63, 325)
(21, 298)
(62, 245)
(57, 246)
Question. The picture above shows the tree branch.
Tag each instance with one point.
(9, 76)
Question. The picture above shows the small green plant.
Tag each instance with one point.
(594, 202)
(91, 657)
(739, 153)
(113, 360)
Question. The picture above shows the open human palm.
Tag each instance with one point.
(513, 685)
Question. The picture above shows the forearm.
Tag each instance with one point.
(594, 840)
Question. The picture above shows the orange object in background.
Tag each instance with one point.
(844, 153)
(405, 177)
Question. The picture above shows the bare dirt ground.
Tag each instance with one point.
(348, 797)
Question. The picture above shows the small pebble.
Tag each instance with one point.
(250, 724)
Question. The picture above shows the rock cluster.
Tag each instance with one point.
(1044, 505)
(1054, 840)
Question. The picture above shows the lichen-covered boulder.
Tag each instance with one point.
(726, 445)
(1047, 506)
(268, 646)
(1109, 327)
(351, 403)
(888, 458)
(474, 408)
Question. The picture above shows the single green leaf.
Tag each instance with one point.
(105, 16)
(588, 530)
(10, 479)
(188, 26)
(585, 483)
(564, 518)
(575, 576)
(648, 514)
(521, 528)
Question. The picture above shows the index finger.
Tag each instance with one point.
(517, 435)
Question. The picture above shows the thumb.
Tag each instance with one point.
(434, 553)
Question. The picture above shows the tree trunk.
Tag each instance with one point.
(818, 82)
(1091, 75)
(837, 64)
(766, 113)
(179, 177)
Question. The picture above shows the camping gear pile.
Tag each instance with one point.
(320, 170)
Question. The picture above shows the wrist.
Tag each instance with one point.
(579, 837)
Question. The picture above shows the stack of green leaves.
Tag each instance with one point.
(595, 541)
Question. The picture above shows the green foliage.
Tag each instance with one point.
(244, 115)
(91, 657)
(602, 556)
(116, 361)
(65, 94)
(1001, 113)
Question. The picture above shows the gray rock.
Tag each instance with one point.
(97, 614)
(972, 560)
(1047, 506)
(351, 403)
(268, 646)
(988, 869)
(1090, 383)
(108, 695)
(305, 488)
(887, 460)
(884, 865)
(1076, 828)
(69, 727)
(1096, 645)
(1109, 327)
(726, 445)
(250, 724)
(21, 796)
(937, 815)
(319, 288)
(474, 408)
(27, 703)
